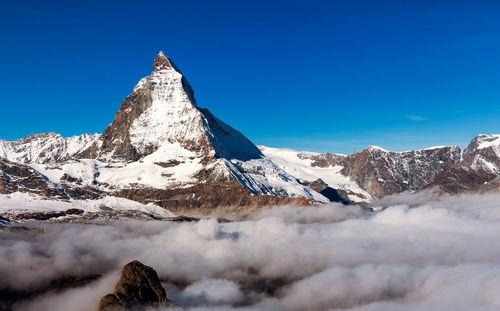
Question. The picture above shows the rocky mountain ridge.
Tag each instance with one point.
(477, 170)
(163, 149)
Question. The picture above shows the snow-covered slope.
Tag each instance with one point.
(18, 202)
(46, 148)
(162, 110)
(302, 165)
(159, 144)
(371, 173)
(486, 141)
(162, 147)
(171, 116)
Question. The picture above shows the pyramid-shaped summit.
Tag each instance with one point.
(161, 62)
(162, 111)
(161, 148)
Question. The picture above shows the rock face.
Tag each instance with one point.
(163, 149)
(479, 168)
(323, 159)
(162, 110)
(46, 148)
(15, 177)
(334, 195)
(382, 172)
(138, 287)
(370, 173)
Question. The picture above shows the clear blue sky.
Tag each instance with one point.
(311, 75)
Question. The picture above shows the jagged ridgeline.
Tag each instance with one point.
(162, 148)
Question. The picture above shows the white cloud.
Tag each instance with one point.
(424, 252)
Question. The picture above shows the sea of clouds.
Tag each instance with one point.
(421, 252)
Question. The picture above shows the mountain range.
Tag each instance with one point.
(163, 150)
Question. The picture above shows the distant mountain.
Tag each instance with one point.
(477, 170)
(163, 149)
(374, 172)
(370, 173)
(382, 172)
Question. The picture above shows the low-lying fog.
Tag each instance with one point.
(423, 252)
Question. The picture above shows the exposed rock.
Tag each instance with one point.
(334, 195)
(162, 148)
(382, 172)
(110, 302)
(15, 177)
(190, 148)
(74, 211)
(183, 218)
(115, 140)
(205, 197)
(40, 215)
(323, 159)
(138, 287)
(81, 192)
(170, 163)
(373, 172)
(161, 62)
(479, 166)
(46, 148)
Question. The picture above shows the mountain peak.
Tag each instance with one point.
(483, 141)
(375, 148)
(161, 62)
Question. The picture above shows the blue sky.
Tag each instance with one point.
(311, 75)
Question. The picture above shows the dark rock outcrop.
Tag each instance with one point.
(161, 62)
(382, 172)
(205, 197)
(334, 195)
(323, 159)
(74, 211)
(479, 166)
(138, 287)
(16, 177)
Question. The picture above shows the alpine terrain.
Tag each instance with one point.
(163, 150)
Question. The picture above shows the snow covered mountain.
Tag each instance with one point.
(477, 170)
(370, 173)
(161, 148)
(46, 148)
(382, 172)
(323, 169)
(374, 172)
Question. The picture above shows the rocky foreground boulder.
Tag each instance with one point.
(138, 287)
